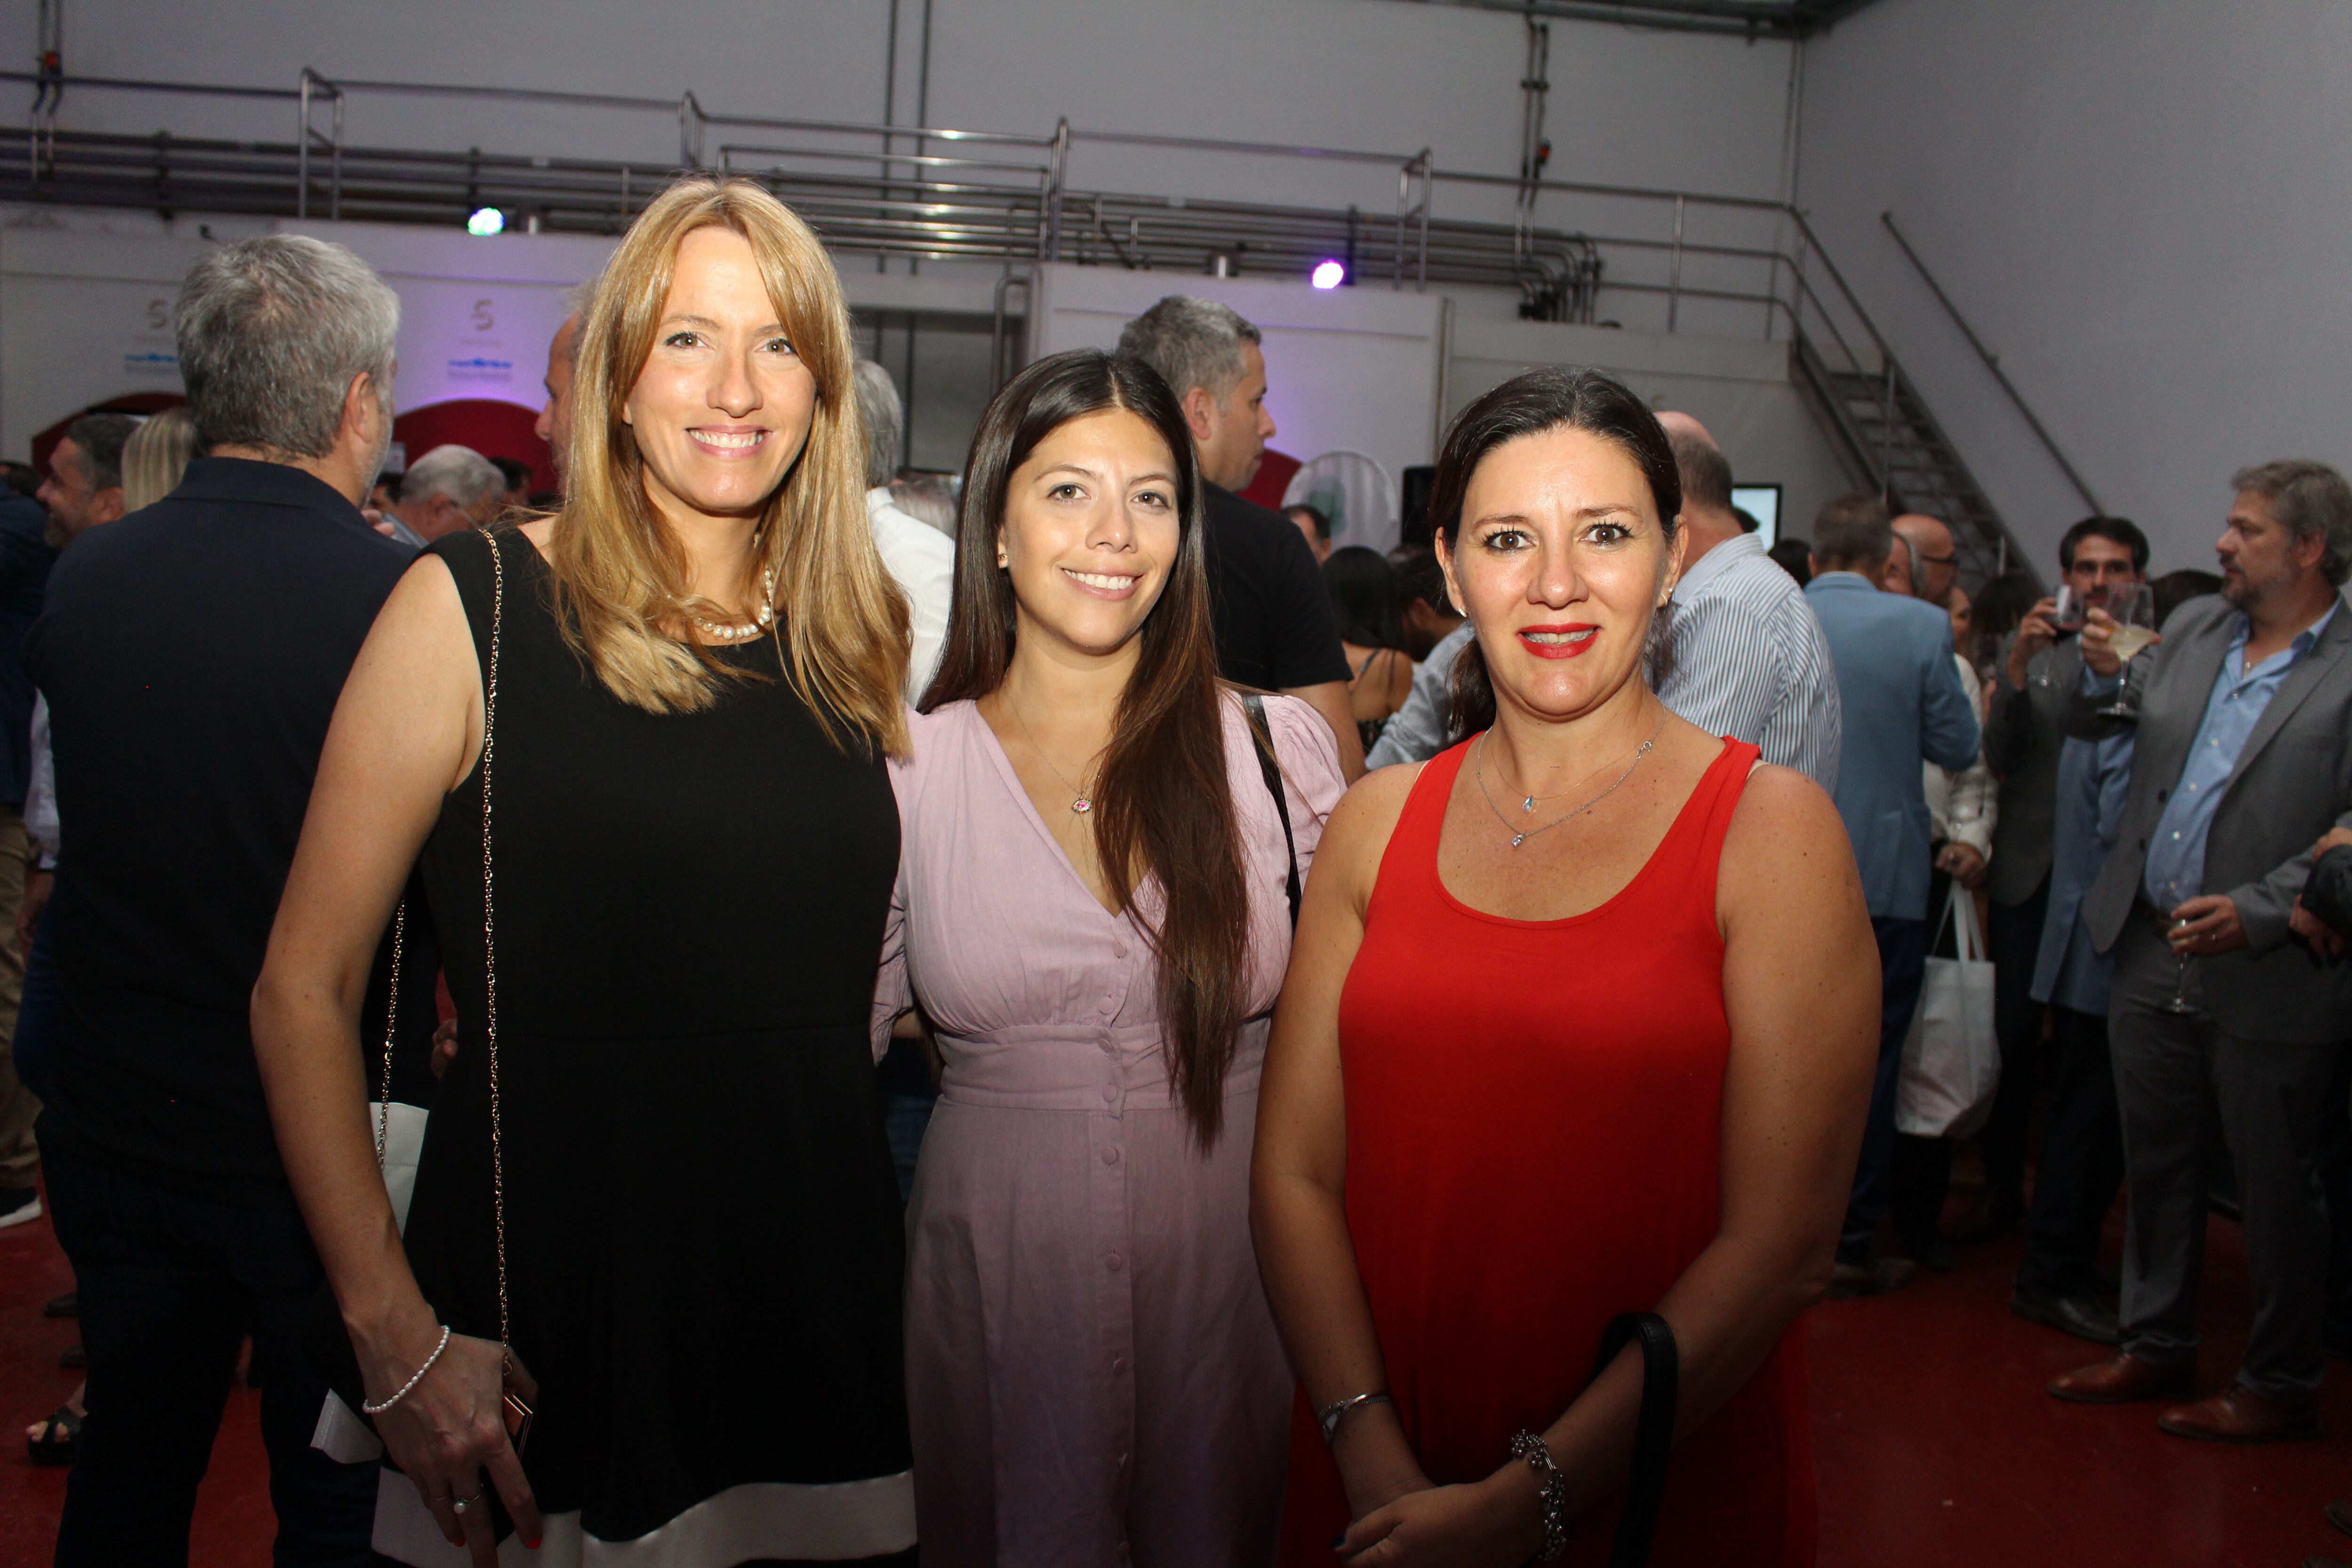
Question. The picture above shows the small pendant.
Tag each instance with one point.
(1518, 840)
(1082, 806)
(1528, 804)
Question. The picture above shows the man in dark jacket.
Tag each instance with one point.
(192, 655)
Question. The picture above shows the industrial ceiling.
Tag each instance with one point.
(1738, 18)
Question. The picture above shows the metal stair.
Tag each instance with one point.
(1891, 443)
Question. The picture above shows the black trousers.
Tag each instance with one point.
(2015, 940)
(1902, 966)
(171, 1283)
(2082, 1163)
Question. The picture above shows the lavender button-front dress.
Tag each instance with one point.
(1093, 1375)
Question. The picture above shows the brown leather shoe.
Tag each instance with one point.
(2240, 1416)
(2123, 1380)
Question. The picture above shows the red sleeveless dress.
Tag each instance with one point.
(1534, 1120)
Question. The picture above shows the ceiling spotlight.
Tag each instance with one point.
(1327, 275)
(487, 220)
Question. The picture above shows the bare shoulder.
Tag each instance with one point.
(1358, 833)
(1786, 839)
(539, 531)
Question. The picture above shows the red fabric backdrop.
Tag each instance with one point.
(494, 429)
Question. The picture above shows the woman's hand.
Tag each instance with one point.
(1493, 1523)
(447, 1433)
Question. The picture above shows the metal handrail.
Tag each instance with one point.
(1992, 363)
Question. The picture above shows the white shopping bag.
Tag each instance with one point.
(1951, 1062)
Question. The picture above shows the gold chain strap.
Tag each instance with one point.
(490, 947)
(391, 1020)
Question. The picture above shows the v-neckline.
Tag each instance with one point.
(1011, 778)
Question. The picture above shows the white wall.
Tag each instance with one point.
(1353, 369)
(1739, 389)
(2144, 210)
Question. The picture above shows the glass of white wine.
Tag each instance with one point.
(2133, 608)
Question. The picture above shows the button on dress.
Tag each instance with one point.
(1093, 1372)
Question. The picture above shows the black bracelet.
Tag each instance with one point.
(1538, 1454)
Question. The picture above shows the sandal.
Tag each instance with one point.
(59, 1434)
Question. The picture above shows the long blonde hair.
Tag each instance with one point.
(620, 574)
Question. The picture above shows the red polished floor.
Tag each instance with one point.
(1936, 1446)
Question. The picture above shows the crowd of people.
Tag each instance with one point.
(763, 1008)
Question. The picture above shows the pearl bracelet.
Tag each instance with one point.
(366, 1409)
(1538, 1454)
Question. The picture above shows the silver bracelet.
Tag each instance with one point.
(367, 1409)
(1330, 1416)
(1538, 1454)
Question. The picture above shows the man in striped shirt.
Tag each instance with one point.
(1739, 652)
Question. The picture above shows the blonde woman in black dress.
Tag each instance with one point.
(657, 1167)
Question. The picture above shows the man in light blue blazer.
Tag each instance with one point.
(1901, 698)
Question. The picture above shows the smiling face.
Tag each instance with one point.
(722, 406)
(1090, 534)
(1560, 563)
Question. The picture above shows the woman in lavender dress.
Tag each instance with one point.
(1092, 913)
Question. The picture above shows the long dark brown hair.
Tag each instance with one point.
(1530, 405)
(1162, 806)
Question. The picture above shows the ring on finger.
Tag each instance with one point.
(461, 1505)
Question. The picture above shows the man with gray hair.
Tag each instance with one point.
(1739, 652)
(2239, 764)
(1273, 617)
(449, 488)
(192, 654)
(919, 557)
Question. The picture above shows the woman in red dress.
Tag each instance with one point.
(1579, 1021)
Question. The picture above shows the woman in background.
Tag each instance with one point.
(654, 1204)
(1092, 915)
(1363, 589)
(1573, 1029)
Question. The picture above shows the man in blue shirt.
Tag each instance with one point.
(1901, 700)
(2241, 760)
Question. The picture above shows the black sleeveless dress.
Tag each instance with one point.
(702, 1224)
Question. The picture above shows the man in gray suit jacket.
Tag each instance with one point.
(1901, 700)
(2243, 758)
(2082, 1140)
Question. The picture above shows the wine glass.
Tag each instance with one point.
(2068, 608)
(2175, 895)
(2132, 609)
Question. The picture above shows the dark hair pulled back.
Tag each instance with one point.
(1530, 405)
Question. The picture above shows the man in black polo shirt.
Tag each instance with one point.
(192, 655)
(1273, 621)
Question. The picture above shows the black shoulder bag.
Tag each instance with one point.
(1253, 705)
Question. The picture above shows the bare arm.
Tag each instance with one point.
(1805, 1019)
(1298, 1175)
(1331, 699)
(406, 733)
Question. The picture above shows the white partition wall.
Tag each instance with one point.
(1355, 368)
(1737, 388)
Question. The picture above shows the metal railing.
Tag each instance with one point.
(1008, 199)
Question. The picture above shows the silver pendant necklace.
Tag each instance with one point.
(1082, 800)
(1520, 835)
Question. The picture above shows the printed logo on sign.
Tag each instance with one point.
(480, 368)
(150, 363)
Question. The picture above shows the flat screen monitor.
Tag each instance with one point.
(1761, 502)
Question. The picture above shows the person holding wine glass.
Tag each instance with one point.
(2241, 762)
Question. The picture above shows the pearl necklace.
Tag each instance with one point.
(735, 631)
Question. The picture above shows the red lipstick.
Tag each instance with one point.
(1568, 640)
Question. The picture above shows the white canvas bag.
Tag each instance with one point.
(1951, 1062)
